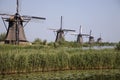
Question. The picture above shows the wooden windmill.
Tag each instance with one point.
(80, 35)
(61, 32)
(91, 38)
(16, 23)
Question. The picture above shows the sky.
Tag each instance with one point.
(100, 16)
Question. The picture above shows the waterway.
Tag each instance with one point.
(99, 47)
(108, 74)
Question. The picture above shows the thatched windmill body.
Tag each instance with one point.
(60, 33)
(16, 23)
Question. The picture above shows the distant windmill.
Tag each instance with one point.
(91, 38)
(61, 32)
(80, 35)
(15, 31)
(99, 40)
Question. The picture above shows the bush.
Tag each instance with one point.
(2, 36)
(37, 41)
(118, 46)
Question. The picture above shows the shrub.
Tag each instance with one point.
(2, 36)
(118, 46)
(37, 41)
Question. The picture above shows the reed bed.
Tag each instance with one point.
(22, 59)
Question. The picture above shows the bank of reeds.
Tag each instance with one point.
(22, 60)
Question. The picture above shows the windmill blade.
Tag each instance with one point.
(4, 23)
(34, 17)
(68, 30)
(90, 32)
(38, 17)
(17, 8)
(4, 18)
(52, 29)
(74, 34)
(4, 14)
(80, 30)
(61, 23)
(85, 34)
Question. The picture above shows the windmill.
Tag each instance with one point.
(16, 23)
(80, 35)
(99, 40)
(91, 38)
(61, 32)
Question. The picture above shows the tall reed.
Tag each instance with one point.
(17, 59)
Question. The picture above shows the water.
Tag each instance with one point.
(99, 47)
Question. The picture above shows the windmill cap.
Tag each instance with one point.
(12, 18)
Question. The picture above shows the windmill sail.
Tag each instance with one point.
(5, 14)
(17, 8)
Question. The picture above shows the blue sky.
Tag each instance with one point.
(101, 16)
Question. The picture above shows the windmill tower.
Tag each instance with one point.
(91, 38)
(99, 40)
(16, 23)
(60, 33)
(80, 36)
